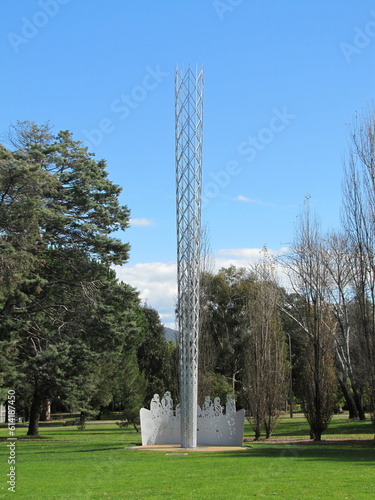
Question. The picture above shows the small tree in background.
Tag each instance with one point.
(155, 357)
(265, 350)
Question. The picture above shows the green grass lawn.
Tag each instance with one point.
(96, 463)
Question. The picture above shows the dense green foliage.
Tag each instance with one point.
(155, 356)
(69, 331)
(242, 345)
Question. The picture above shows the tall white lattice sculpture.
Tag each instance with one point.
(187, 424)
(189, 128)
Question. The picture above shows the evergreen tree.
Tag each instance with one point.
(58, 210)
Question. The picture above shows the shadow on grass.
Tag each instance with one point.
(73, 432)
(89, 429)
(28, 438)
(69, 451)
(354, 451)
(298, 427)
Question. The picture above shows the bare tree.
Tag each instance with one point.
(266, 350)
(309, 280)
(207, 347)
(359, 224)
(339, 264)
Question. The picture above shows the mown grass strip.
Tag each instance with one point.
(98, 463)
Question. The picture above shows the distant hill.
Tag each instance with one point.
(170, 334)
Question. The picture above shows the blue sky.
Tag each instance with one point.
(283, 79)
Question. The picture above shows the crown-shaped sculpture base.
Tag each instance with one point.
(216, 425)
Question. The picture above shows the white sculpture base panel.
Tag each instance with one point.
(161, 425)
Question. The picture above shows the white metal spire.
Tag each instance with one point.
(189, 131)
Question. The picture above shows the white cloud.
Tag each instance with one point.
(245, 199)
(239, 257)
(157, 284)
(141, 222)
(250, 253)
(247, 257)
(157, 281)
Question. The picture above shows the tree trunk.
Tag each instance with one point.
(34, 415)
(45, 415)
(353, 413)
(82, 420)
(257, 433)
(317, 435)
(359, 405)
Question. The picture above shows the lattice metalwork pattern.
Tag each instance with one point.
(189, 131)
